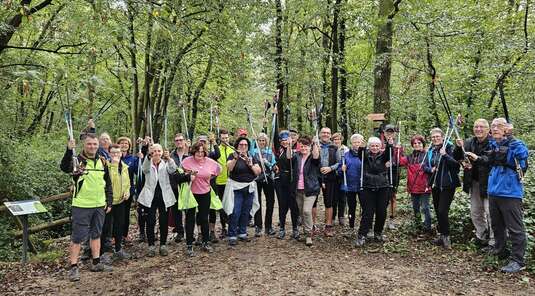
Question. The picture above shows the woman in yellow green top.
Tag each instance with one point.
(120, 182)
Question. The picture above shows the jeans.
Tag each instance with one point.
(374, 202)
(420, 202)
(243, 202)
(269, 192)
(442, 199)
(507, 215)
(305, 204)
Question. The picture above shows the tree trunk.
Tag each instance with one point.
(343, 79)
(279, 63)
(333, 123)
(197, 94)
(134, 107)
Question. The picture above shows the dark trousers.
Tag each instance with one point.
(118, 213)
(126, 218)
(442, 199)
(269, 192)
(178, 214)
(201, 218)
(374, 202)
(507, 214)
(142, 220)
(223, 218)
(105, 236)
(286, 200)
(159, 206)
(351, 207)
(339, 201)
(329, 193)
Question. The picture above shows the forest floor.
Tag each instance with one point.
(405, 265)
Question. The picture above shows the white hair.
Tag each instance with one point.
(157, 146)
(356, 137)
(374, 140)
(262, 136)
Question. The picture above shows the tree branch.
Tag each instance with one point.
(56, 51)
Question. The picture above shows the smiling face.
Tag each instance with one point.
(481, 129)
(90, 146)
(115, 154)
(262, 142)
(437, 138)
(325, 135)
(104, 141)
(179, 142)
(200, 154)
(157, 152)
(125, 146)
(337, 141)
(224, 138)
(417, 145)
(243, 146)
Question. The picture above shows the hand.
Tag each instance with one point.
(276, 169)
(325, 170)
(250, 161)
(140, 155)
(315, 139)
(443, 150)
(108, 209)
(388, 164)
(91, 123)
(434, 169)
(472, 156)
(126, 196)
(344, 168)
(71, 144)
(211, 138)
(459, 142)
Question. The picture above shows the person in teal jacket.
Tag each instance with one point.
(508, 160)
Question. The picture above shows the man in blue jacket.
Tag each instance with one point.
(508, 159)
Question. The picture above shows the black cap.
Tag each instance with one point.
(390, 128)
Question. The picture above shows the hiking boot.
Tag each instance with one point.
(379, 237)
(120, 255)
(446, 242)
(282, 234)
(513, 267)
(438, 241)
(359, 242)
(74, 274)
(329, 231)
(213, 237)
(295, 234)
(257, 231)
(270, 231)
(152, 251)
(342, 221)
(308, 241)
(100, 267)
(163, 250)
(207, 248)
(189, 251)
(179, 237)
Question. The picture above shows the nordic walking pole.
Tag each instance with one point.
(250, 120)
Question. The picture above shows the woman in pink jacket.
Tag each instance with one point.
(417, 181)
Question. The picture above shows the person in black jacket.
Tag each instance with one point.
(475, 180)
(444, 179)
(305, 171)
(376, 189)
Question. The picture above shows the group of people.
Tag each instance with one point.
(200, 180)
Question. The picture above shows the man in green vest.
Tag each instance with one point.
(225, 150)
(92, 199)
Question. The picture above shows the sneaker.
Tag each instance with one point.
(189, 251)
(271, 231)
(369, 235)
(359, 242)
(446, 243)
(74, 274)
(223, 234)
(213, 237)
(100, 267)
(120, 255)
(308, 241)
(295, 234)
(329, 231)
(438, 241)
(152, 251)
(513, 267)
(179, 237)
(163, 250)
(232, 242)
(342, 221)
(257, 231)
(282, 234)
(391, 224)
(207, 248)
(379, 237)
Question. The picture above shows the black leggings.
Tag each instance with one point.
(157, 205)
(220, 190)
(126, 218)
(286, 199)
(339, 201)
(441, 202)
(351, 207)
(203, 201)
(118, 213)
(374, 202)
(269, 192)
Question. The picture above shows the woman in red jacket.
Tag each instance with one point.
(417, 181)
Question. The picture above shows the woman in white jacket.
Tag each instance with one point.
(157, 195)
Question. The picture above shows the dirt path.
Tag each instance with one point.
(406, 265)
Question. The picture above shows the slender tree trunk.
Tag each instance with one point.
(197, 94)
(343, 79)
(279, 58)
(134, 106)
(333, 123)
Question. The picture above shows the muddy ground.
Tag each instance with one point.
(406, 265)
